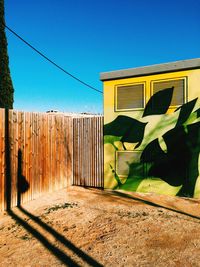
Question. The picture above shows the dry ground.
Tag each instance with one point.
(90, 227)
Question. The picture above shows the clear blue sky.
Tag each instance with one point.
(87, 37)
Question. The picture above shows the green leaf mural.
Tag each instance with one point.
(159, 102)
(185, 111)
(174, 165)
(129, 129)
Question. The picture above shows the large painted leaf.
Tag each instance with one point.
(159, 102)
(131, 130)
(110, 139)
(185, 111)
(173, 167)
(135, 133)
(152, 152)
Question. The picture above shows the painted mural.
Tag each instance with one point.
(158, 151)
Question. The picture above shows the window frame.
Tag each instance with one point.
(185, 92)
(129, 84)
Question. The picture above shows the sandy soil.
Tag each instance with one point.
(90, 227)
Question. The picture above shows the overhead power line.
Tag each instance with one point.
(52, 62)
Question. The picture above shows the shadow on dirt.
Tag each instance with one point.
(114, 195)
(53, 249)
(121, 194)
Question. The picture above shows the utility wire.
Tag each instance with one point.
(52, 62)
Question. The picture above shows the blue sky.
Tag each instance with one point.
(87, 37)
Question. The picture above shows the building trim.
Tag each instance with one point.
(152, 69)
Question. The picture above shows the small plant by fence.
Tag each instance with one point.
(36, 154)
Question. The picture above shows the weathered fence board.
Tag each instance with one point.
(88, 151)
(35, 152)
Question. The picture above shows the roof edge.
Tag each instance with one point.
(151, 69)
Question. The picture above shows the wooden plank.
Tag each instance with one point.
(15, 156)
(3, 161)
(70, 149)
(1, 181)
(74, 152)
(76, 156)
(92, 160)
(2, 156)
(102, 153)
(53, 162)
(51, 188)
(45, 155)
(44, 182)
(61, 153)
(34, 156)
(11, 156)
(22, 147)
(59, 178)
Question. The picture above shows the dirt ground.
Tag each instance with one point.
(90, 227)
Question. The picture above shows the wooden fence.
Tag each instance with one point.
(88, 151)
(35, 155)
(46, 152)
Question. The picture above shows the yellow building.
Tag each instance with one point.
(152, 128)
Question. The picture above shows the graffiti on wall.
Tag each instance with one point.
(167, 145)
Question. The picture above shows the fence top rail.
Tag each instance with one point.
(56, 113)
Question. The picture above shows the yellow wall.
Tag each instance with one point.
(193, 78)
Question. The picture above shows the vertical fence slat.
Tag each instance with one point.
(2, 159)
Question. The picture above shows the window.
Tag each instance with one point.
(125, 159)
(179, 93)
(129, 97)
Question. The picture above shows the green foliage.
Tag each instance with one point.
(6, 86)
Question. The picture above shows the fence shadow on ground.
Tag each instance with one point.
(148, 202)
(115, 194)
(53, 249)
(65, 259)
(62, 239)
